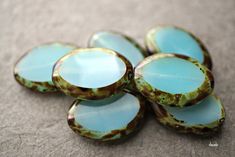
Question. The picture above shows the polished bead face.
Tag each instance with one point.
(92, 73)
(107, 119)
(202, 118)
(170, 39)
(173, 80)
(34, 69)
(122, 44)
(173, 75)
(93, 69)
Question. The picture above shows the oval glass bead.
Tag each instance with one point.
(203, 118)
(120, 43)
(92, 73)
(34, 69)
(108, 119)
(173, 80)
(171, 39)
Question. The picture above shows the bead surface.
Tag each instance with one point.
(107, 119)
(120, 43)
(171, 39)
(92, 73)
(173, 80)
(34, 69)
(203, 118)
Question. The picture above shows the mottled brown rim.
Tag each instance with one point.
(153, 48)
(165, 118)
(128, 38)
(37, 86)
(92, 93)
(164, 98)
(113, 135)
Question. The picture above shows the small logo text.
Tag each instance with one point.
(215, 144)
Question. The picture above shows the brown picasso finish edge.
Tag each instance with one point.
(169, 120)
(43, 87)
(113, 135)
(179, 100)
(92, 93)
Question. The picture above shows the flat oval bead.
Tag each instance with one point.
(34, 69)
(173, 80)
(92, 73)
(120, 43)
(203, 118)
(108, 119)
(171, 39)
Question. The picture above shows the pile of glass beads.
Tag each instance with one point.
(114, 80)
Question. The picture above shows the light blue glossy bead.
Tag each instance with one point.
(93, 69)
(205, 116)
(204, 112)
(92, 73)
(173, 75)
(34, 69)
(120, 43)
(173, 80)
(37, 65)
(106, 119)
(170, 39)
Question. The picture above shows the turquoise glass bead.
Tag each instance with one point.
(83, 68)
(174, 80)
(34, 69)
(171, 39)
(173, 75)
(107, 119)
(120, 43)
(92, 73)
(203, 118)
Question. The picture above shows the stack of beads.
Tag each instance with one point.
(115, 79)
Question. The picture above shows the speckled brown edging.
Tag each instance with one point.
(92, 93)
(179, 100)
(113, 135)
(169, 120)
(43, 87)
